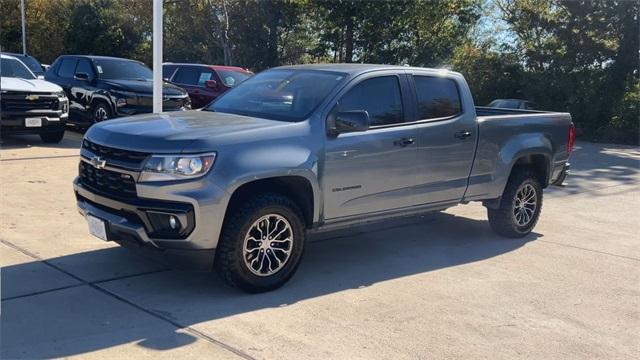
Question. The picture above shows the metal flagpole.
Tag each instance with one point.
(24, 32)
(157, 56)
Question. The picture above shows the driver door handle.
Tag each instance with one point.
(462, 134)
(404, 142)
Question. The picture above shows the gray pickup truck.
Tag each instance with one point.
(235, 187)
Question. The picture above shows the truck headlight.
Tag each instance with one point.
(176, 167)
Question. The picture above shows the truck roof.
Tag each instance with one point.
(213, 67)
(355, 69)
(98, 57)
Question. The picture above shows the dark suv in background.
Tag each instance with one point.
(101, 88)
(31, 62)
(204, 83)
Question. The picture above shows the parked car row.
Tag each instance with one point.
(98, 88)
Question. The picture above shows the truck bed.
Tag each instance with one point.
(508, 134)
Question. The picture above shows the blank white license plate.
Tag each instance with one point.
(97, 227)
(33, 122)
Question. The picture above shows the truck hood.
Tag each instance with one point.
(27, 85)
(144, 87)
(189, 131)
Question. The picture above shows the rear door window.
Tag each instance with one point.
(437, 97)
(187, 75)
(67, 68)
(379, 96)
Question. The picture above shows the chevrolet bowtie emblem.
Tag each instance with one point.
(98, 162)
(32, 97)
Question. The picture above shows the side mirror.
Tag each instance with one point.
(350, 121)
(82, 76)
(211, 84)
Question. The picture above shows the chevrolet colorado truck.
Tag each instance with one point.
(236, 187)
(29, 105)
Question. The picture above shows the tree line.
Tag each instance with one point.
(578, 56)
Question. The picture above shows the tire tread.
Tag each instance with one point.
(500, 219)
(226, 264)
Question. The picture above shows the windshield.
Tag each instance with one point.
(32, 64)
(232, 78)
(113, 69)
(15, 68)
(287, 95)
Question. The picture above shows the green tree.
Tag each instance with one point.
(105, 27)
(580, 56)
(490, 74)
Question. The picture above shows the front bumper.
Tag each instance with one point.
(128, 223)
(130, 110)
(15, 123)
(134, 104)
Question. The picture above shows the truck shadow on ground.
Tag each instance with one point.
(146, 309)
(71, 140)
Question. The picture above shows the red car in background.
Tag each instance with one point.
(204, 83)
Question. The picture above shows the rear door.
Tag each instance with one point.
(83, 90)
(447, 135)
(374, 170)
(64, 73)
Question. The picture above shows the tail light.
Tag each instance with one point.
(572, 138)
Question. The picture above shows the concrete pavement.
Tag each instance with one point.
(439, 286)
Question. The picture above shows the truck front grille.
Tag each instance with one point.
(106, 182)
(130, 159)
(18, 102)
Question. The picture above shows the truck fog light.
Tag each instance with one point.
(173, 222)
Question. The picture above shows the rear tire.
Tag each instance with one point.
(520, 206)
(261, 243)
(53, 137)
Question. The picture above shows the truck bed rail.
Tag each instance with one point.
(491, 111)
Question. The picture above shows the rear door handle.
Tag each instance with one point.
(404, 142)
(462, 134)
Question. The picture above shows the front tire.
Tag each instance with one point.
(100, 112)
(261, 244)
(520, 206)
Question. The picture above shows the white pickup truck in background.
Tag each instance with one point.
(29, 105)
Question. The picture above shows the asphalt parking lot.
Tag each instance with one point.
(438, 286)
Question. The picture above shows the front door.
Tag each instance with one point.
(374, 170)
(193, 79)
